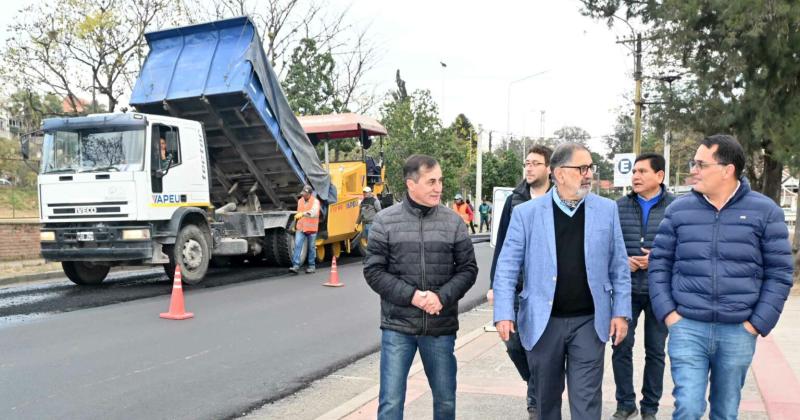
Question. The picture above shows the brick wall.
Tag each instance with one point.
(19, 241)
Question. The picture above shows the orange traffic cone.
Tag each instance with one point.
(176, 308)
(333, 281)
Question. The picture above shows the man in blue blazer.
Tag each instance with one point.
(577, 285)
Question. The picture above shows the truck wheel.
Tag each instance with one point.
(279, 248)
(191, 253)
(359, 246)
(85, 273)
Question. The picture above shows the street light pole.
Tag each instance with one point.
(444, 66)
(508, 110)
(508, 97)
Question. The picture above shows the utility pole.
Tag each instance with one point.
(637, 116)
(479, 170)
(541, 125)
(637, 101)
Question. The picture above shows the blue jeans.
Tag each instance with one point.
(698, 350)
(302, 239)
(439, 361)
(655, 337)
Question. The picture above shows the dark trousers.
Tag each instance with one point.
(484, 220)
(655, 337)
(569, 346)
(519, 357)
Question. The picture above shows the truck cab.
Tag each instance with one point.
(112, 185)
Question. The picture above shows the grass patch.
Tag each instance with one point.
(19, 202)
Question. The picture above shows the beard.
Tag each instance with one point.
(584, 190)
(538, 182)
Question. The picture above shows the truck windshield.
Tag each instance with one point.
(93, 150)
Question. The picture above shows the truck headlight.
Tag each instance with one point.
(47, 236)
(135, 234)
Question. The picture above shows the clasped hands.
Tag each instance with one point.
(639, 262)
(427, 301)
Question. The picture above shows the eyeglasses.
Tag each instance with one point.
(533, 164)
(700, 165)
(583, 168)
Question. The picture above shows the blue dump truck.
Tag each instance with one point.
(208, 166)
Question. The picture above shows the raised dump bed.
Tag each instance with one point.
(217, 73)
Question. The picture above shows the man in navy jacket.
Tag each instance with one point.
(640, 214)
(720, 272)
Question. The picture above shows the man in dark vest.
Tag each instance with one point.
(535, 184)
(640, 213)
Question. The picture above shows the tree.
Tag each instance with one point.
(309, 81)
(573, 134)
(415, 128)
(466, 143)
(81, 46)
(30, 108)
(740, 71)
(285, 24)
(501, 168)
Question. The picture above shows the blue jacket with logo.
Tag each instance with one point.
(724, 266)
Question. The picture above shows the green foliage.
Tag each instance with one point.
(309, 80)
(78, 46)
(310, 90)
(12, 167)
(466, 142)
(30, 108)
(501, 168)
(573, 134)
(740, 72)
(414, 128)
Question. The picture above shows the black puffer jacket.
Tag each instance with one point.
(637, 236)
(409, 251)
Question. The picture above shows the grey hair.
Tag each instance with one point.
(563, 154)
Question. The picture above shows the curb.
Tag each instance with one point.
(5, 281)
(29, 278)
(367, 396)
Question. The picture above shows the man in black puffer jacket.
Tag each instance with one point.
(640, 213)
(420, 260)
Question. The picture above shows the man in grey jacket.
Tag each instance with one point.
(367, 210)
(421, 262)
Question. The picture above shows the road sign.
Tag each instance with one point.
(623, 169)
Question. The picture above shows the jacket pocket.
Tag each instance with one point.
(607, 287)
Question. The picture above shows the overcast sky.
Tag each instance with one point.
(486, 46)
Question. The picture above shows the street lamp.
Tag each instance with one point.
(508, 97)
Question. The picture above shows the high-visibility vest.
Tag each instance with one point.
(308, 224)
(463, 211)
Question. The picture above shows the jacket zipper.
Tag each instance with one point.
(422, 263)
(714, 269)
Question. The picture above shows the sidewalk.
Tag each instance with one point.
(490, 388)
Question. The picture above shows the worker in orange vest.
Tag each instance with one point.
(306, 228)
(462, 209)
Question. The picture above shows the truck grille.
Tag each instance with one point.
(108, 209)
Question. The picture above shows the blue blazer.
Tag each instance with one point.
(531, 246)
